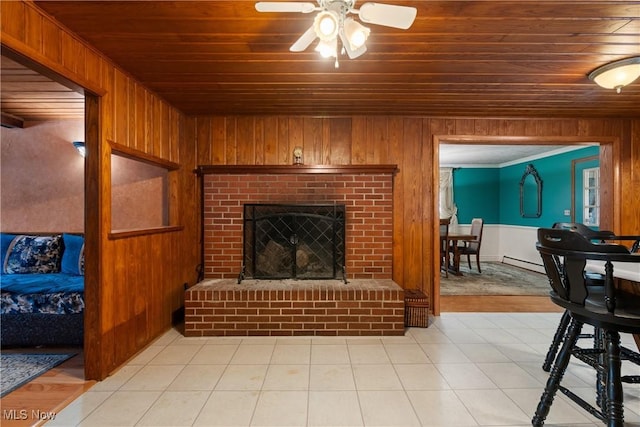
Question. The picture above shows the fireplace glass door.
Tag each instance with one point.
(294, 241)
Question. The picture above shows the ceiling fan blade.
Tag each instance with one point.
(304, 41)
(278, 6)
(388, 15)
(353, 54)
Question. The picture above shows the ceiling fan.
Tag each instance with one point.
(333, 22)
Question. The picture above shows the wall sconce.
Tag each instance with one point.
(616, 75)
(80, 146)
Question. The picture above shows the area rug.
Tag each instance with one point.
(17, 369)
(496, 279)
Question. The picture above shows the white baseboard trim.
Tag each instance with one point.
(489, 258)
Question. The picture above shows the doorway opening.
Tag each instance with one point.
(482, 180)
(45, 116)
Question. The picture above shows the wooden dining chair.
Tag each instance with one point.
(444, 245)
(588, 232)
(472, 247)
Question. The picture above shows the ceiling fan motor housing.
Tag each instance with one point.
(344, 5)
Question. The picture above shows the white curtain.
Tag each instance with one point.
(447, 208)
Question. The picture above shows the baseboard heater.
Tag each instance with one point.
(520, 260)
(523, 263)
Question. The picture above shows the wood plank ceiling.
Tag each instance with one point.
(26, 95)
(495, 58)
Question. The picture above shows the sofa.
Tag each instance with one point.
(41, 289)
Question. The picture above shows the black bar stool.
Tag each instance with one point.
(593, 279)
(606, 308)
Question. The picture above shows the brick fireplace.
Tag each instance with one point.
(369, 304)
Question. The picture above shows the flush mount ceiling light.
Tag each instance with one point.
(618, 74)
(332, 23)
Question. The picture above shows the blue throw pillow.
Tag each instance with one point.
(5, 241)
(34, 254)
(73, 255)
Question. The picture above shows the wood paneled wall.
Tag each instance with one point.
(630, 180)
(412, 144)
(133, 283)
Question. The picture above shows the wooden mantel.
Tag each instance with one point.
(295, 169)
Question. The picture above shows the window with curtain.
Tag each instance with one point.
(448, 208)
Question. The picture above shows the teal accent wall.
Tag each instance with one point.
(494, 193)
(476, 192)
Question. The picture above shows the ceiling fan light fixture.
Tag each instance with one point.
(617, 74)
(357, 34)
(332, 22)
(326, 25)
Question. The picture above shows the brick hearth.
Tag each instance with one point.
(221, 307)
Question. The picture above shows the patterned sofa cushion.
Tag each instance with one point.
(73, 255)
(34, 254)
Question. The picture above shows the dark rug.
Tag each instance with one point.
(496, 279)
(17, 369)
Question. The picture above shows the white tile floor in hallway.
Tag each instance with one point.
(466, 369)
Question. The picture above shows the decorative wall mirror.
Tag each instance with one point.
(530, 193)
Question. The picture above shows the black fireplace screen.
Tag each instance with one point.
(294, 241)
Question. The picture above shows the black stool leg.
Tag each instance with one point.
(557, 339)
(598, 343)
(614, 410)
(557, 372)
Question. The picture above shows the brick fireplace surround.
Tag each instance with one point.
(369, 304)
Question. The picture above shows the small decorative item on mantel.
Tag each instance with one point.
(297, 156)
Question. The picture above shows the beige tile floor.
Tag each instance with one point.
(465, 369)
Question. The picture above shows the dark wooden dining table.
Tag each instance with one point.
(628, 282)
(633, 287)
(454, 239)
